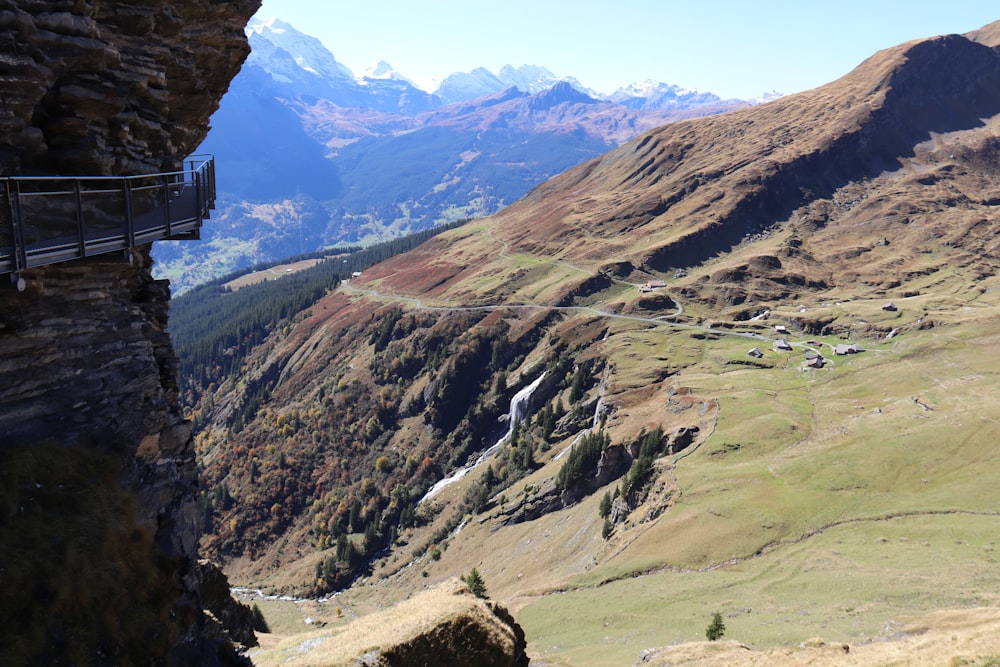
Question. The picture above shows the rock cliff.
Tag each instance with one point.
(113, 87)
(98, 493)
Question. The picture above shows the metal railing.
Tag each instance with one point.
(50, 219)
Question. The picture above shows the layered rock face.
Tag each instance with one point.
(113, 87)
(87, 371)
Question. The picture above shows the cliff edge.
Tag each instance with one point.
(99, 520)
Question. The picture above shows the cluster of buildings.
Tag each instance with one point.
(814, 359)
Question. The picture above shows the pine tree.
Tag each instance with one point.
(345, 550)
(475, 583)
(716, 628)
(371, 538)
(578, 385)
(605, 509)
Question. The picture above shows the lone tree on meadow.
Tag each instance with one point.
(475, 583)
(716, 628)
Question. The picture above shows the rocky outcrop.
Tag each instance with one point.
(231, 620)
(445, 627)
(681, 438)
(87, 371)
(83, 346)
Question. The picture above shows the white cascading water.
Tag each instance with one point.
(520, 408)
(597, 412)
(594, 424)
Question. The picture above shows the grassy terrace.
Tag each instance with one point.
(860, 494)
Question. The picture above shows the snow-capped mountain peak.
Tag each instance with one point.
(766, 97)
(267, 34)
(651, 94)
(302, 62)
(384, 71)
(650, 87)
(530, 79)
(380, 70)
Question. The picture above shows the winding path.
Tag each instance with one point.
(418, 304)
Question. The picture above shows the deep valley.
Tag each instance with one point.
(759, 346)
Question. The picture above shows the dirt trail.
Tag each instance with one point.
(418, 304)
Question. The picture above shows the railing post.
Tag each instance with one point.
(81, 234)
(129, 222)
(211, 178)
(20, 252)
(7, 232)
(197, 195)
(166, 203)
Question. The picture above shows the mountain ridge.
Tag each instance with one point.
(877, 140)
(349, 161)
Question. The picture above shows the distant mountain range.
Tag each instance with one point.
(276, 43)
(310, 155)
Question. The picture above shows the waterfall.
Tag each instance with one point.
(520, 408)
(597, 412)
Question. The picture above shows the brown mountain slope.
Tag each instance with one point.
(685, 192)
(988, 34)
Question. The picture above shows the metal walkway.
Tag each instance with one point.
(50, 219)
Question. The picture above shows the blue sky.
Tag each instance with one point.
(731, 48)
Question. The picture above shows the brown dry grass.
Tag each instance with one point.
(272, 273)
(947, 637)
(381, 631)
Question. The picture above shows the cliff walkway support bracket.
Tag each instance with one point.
(51, 219)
